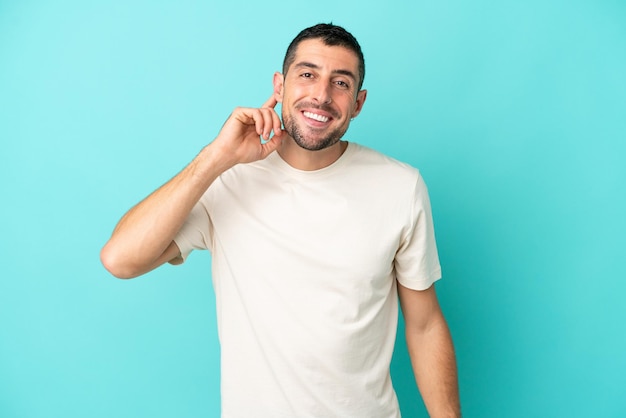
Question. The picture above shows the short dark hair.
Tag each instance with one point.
(331, 35)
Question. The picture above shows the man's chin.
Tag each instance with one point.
(311, 144)
(309, 140)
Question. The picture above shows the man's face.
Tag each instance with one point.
(319, 94)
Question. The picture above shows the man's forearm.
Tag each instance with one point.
(434, 365)
(146, 231)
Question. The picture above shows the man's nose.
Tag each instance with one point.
(322, 92)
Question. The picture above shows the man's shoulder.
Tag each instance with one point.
(380, 163)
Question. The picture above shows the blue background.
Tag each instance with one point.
(515, 112)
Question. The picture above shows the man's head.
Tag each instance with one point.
(331, 35)
(320, 87)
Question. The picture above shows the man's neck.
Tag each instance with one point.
(306, 160)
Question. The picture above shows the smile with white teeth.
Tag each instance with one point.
(316, 117)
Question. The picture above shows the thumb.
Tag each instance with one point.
(272, 145)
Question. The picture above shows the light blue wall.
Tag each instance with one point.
(514, 111)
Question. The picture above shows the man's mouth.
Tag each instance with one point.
(315, 116)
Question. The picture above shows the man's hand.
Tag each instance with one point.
(239, 141)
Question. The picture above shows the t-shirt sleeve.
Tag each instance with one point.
(196, 232)
(417, 261)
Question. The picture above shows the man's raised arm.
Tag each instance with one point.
(143, 238)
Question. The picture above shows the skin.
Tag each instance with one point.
(319, 98)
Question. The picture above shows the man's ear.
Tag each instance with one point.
(279, 81)
(360, 100)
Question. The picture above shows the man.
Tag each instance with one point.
(314, 240)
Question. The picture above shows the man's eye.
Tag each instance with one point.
(342, 84)
(307, 75)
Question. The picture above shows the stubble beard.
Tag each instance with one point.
(301, 139)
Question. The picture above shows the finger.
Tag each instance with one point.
(268, 122)
(265, 121)
(244, 115)
(271, 102)
(278, 125)
(270, 146)
(259, 122)
(275, 123)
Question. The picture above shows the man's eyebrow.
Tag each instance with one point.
(305, 64)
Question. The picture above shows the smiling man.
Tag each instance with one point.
(314, 240)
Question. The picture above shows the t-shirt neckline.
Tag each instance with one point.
(277, 160)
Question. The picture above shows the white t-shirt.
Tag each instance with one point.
(304, 269)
